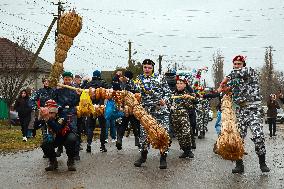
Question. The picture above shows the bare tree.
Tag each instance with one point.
(14, 62)
(217, 67)
(269, 78)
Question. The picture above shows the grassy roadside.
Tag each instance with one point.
(11, 140)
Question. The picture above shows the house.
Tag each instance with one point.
(14, 61)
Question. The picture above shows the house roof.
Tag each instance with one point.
(12, 54)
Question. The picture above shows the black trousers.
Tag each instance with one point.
(192, 119)
(272, 125)
(124, 124)
(68, 141)
(24, 121)
(90, 127)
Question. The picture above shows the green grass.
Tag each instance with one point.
(11, 140)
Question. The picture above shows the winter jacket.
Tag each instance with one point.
(22, 106)
(245, 86)
(272, 108)
(44, 94)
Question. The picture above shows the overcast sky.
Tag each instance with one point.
(187, 32)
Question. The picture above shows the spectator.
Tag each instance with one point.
(24, 111)
(272, 105)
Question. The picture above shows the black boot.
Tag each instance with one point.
(202, 135)
(71, 164)
(262, 164)
(59, 151)
(53, 165)
(193, 144)
(89, 148)
(103, 148)
(77, 157)
(163, 161)
(187, 153)
(142, 159)
(239, 167)
(137, 141)
(118, 145)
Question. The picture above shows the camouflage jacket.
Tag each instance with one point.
(43, 95)
(245, 86)
(181, 104)
(203, 106)
(152, 89)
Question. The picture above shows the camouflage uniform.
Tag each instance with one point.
(44, 94)
(246, 96)
(180, 119)
(153, 89)
(202, 110)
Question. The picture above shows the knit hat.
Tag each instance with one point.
(240, 59)
(51, 105)
(128, 74)
(97, 74)
(181, 78)
(67, 74)
(78, 76)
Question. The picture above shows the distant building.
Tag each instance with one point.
(107, 76)
(14, 57)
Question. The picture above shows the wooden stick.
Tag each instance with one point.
(71, 87)
(175, 97)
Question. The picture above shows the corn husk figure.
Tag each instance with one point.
(85, 107)
(157, 135)
(70, 24)
(229, 144)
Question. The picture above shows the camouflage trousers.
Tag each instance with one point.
(182, 129)
(250, 117)
(162, 117)
(202, 120)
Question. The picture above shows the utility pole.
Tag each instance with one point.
(60, 9)
(160, 64)
(33, 61)
(129, 53)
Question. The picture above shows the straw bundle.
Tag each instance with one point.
(70, 25)
(60, 55)
(57, 70)
(229, 144)
(130, 100)
(139, 112)
(99, 110)
(128, 110)
(64, 42)
(156, 134)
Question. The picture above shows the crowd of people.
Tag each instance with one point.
(179, 108)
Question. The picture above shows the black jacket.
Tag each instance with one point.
(44, 94)
(272, 108)
(22, 106)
